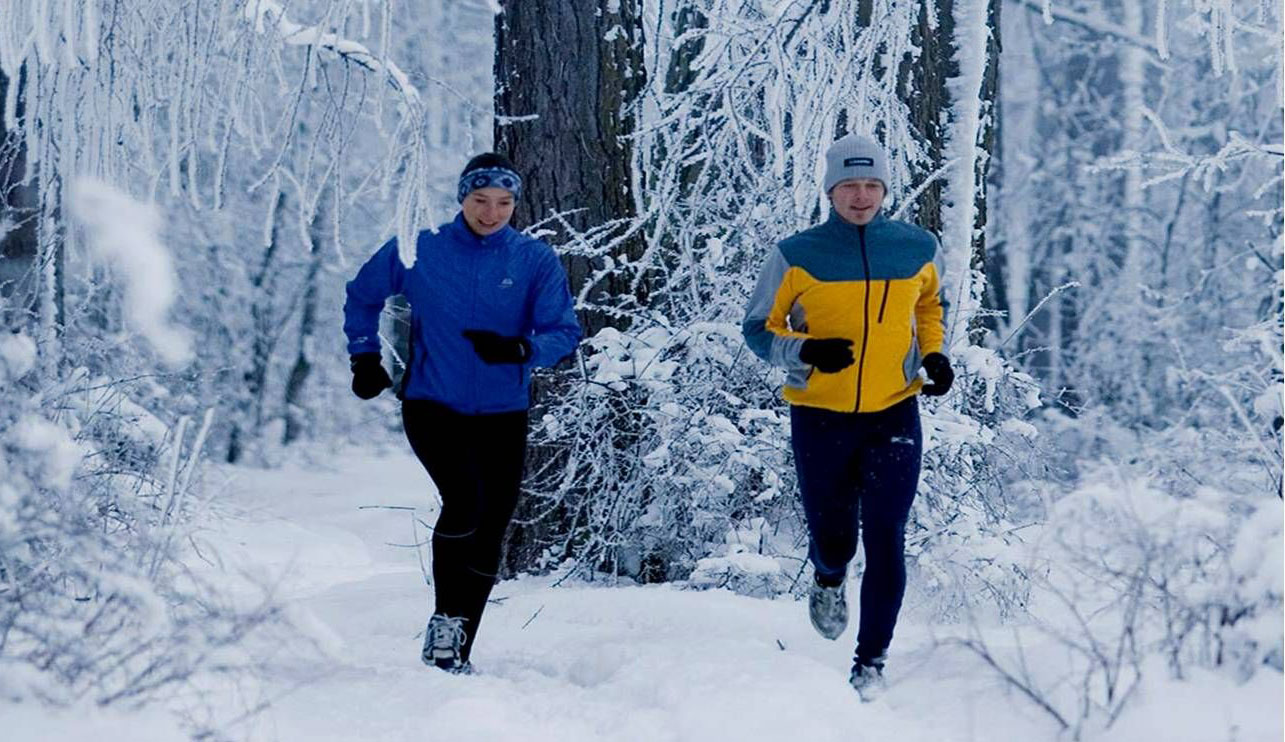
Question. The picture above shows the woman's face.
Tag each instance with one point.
(488, 210)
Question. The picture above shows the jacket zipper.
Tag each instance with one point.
(865, 325)
(883, 304)
(472, 320)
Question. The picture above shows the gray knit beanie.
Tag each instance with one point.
(855, 156)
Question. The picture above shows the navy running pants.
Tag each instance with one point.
(858, 472)
(476, 461)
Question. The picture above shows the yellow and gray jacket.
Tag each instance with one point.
(879, 286)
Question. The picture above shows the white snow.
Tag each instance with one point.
(959, 210)
(126, 233)
(588, 662)
(31, 722)
(48, 447)
(17, 356)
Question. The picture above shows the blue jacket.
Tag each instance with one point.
(505, 282)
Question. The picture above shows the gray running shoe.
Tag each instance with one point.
(868, 680)
(442, 641)
(828, 608)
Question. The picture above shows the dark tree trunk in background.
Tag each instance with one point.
(19, 217)
(680, 75)
(924, 89)
(577, 66)
(988, 143)
(297, 411)
(248, 415)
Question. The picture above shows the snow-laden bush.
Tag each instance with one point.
(964, 534)
(96, 501)
(1130, 578)
(662, 444)
(743, 567)
(666, 455)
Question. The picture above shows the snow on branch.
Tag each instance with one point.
(1090, 23)
(409, 156)
(265, 13)
(1174, 164)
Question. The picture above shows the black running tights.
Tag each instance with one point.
(476, 462)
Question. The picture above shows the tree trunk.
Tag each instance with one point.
(19, 215)
(952, 106)
(249, 413)
(297, 413)
(923, 86)
(577, 67)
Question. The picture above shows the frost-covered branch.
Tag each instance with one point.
(1051, 12)
(269, 15)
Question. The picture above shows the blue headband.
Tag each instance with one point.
(497, 177)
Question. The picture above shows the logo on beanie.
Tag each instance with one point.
(859, 162)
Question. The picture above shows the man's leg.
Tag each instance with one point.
(823, 450)
(889, 476)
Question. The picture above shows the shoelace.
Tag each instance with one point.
(831, 597)
(447, 632)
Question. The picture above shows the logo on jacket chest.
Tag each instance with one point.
(506, 283)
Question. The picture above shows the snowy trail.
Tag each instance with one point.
(577, 662)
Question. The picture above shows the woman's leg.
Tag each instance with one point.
(500, 452)
(438, 437)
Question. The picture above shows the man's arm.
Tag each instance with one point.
(765, 328)
(930, 308)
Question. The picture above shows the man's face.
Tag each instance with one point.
(487, 210)
(857, 200)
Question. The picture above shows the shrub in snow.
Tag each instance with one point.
(94, 600)
(17, 357)
(1130, 579)
(743, 572)
(965, 531)
(649, 457)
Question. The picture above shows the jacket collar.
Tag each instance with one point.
(460, 230)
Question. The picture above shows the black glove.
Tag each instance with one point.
(493, 347)
(940, 375)
(829, 355)
(368, 375)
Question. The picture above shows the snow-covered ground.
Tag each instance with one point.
(583, 662)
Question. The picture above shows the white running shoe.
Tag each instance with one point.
(868, 680)
(828, 609)
(442, 641)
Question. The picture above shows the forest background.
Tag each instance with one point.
(188, 184)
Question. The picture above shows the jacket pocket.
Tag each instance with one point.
(887, 284)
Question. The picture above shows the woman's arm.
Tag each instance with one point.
(380, 278)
